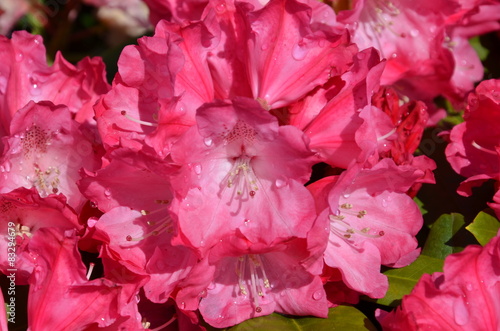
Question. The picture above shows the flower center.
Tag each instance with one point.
(252, 278)
(155, 227)
(241, 179)
(341, 226)
(46, 182)
(34, 139)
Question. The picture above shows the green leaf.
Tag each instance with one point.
(420, 205)
(339, 318)
(402, 280)
(440, 242)
(484, 227)
(480, 50)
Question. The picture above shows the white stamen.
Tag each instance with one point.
(124, 113)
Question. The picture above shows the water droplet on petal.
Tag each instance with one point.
(460, 312)
(197, 168)
(6, 166)
(19, 57)
(299, 51)
(414, 33)
(246, 221)
(258, 309)
(221, 7)
(280, 183)
(264, 47)
(346, 195)
(203, 294)
(107, 193)
(469, 286)
(318, 295)
(208, 141)
(183, 305)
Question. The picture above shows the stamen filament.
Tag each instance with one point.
(124, 113)
(483, 149)
(89, 272)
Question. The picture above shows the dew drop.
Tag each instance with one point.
(246, 221)
(299, 51)
(469, 286)
(19, 57)
(93, 204)
(384, 203)
(208, 141)
(107, 193)
(414, 33)
(460, 312)
(221, 8)
(264, 47)
(279, 183)
(203, 294)
(318, 295)
(252, 193)
(183, 305)
(129, 238)
(202, 243)
(258, 309)
(346, 195)
(6, 166)
(197, 168)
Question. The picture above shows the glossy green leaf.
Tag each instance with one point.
(402, 280)
(481, 51)
(420, 205)
(441, 242)
(484, 227)
(339, 318)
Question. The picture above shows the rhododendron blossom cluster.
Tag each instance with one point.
(247, 158)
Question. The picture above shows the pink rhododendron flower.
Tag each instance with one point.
(142, 108)
(239, 280)
(129, 17)
(238, 170)
(46, 150)
(472, 149)
(59, 276)
(3, 313)
(361, 229)
(25, 76)
(176, 11)
(10, 12)
(463, 297)
(287, 58)
(425, 45)
(23, 211)
(331, 117)
(141, 243)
